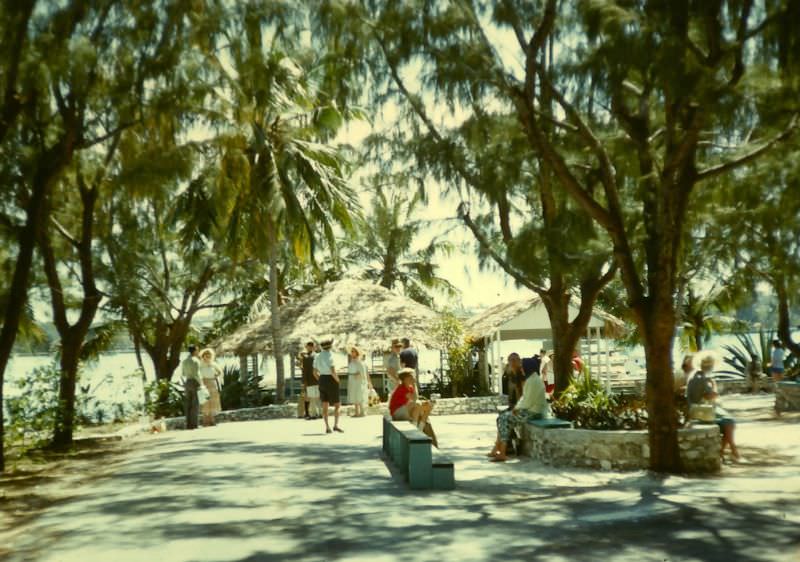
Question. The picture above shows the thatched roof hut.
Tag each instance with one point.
(352, 311)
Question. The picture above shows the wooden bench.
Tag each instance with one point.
(423, 466)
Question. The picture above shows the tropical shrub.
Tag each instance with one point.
(739, 356)
(235, 394)
(164, 399)
(589, 405)
(464, 380)
(32, 413)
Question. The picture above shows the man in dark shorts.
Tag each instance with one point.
(310, 384)
(325, 373)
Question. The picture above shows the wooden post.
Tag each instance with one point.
(243, 369)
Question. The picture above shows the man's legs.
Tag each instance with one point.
(336, 407)
(325, 416)
(192, 405)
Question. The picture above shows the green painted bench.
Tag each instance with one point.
(551, 423)
(423, 466)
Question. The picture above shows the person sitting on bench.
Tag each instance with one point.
(532, 405)
(404, 406)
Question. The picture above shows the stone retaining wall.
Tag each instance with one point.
(787, 396)
(470, 405)
(618, 450)
(444, 407)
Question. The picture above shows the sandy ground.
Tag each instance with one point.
(284, 490)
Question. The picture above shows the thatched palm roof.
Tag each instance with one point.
(353, 312)
(486, 323)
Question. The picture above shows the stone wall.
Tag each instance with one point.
(787, 396)
(618, 450)
(471, 405)
(444, 407)
(744, 386)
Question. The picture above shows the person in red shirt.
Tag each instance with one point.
(403, 404)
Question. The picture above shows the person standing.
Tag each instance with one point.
(531, 365)
(754, 373)
(358, 383)
(776, 364)
(409, 359)
(547, 374)
(681, 377)
(516, 378)
(310, 385)
(325, 373)
(209, 375)
(190, 370)
(393, 365)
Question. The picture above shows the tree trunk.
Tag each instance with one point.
(784, 319)
(658, 331)
(698, 338)
(17, 296)
(65, 417)
(564, 342)
(54, 161)
(275, 320)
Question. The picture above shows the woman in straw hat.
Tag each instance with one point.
(358, 383)
(209, 371)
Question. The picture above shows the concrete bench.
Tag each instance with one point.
(423, 466)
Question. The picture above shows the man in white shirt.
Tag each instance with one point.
(325, 373)
(532, 405)
(190, 369)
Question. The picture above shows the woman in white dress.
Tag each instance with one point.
(209, 371)
(358, 383)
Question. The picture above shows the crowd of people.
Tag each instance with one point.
(320, 385)
(528, 382)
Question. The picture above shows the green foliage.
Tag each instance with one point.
(588, 404)
(164, 399)
(237, 395)
(464, 380)
(32, 413)
(34, 410)
(739, 356)
(386, 245)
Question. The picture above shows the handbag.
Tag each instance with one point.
(373, 399)
(203, 395)
(702, 412)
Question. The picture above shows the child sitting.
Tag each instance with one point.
(403, 404)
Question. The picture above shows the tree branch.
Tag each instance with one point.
(723, 167)
(487, 247)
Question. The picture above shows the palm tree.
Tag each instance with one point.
(280, 183)
(385, 247)
(702, 317)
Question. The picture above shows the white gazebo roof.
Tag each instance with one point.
(527, 319)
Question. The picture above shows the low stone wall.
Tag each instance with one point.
(444, 407)
(744, 386)
(470, 405)
(618, 450)
(787, 396)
